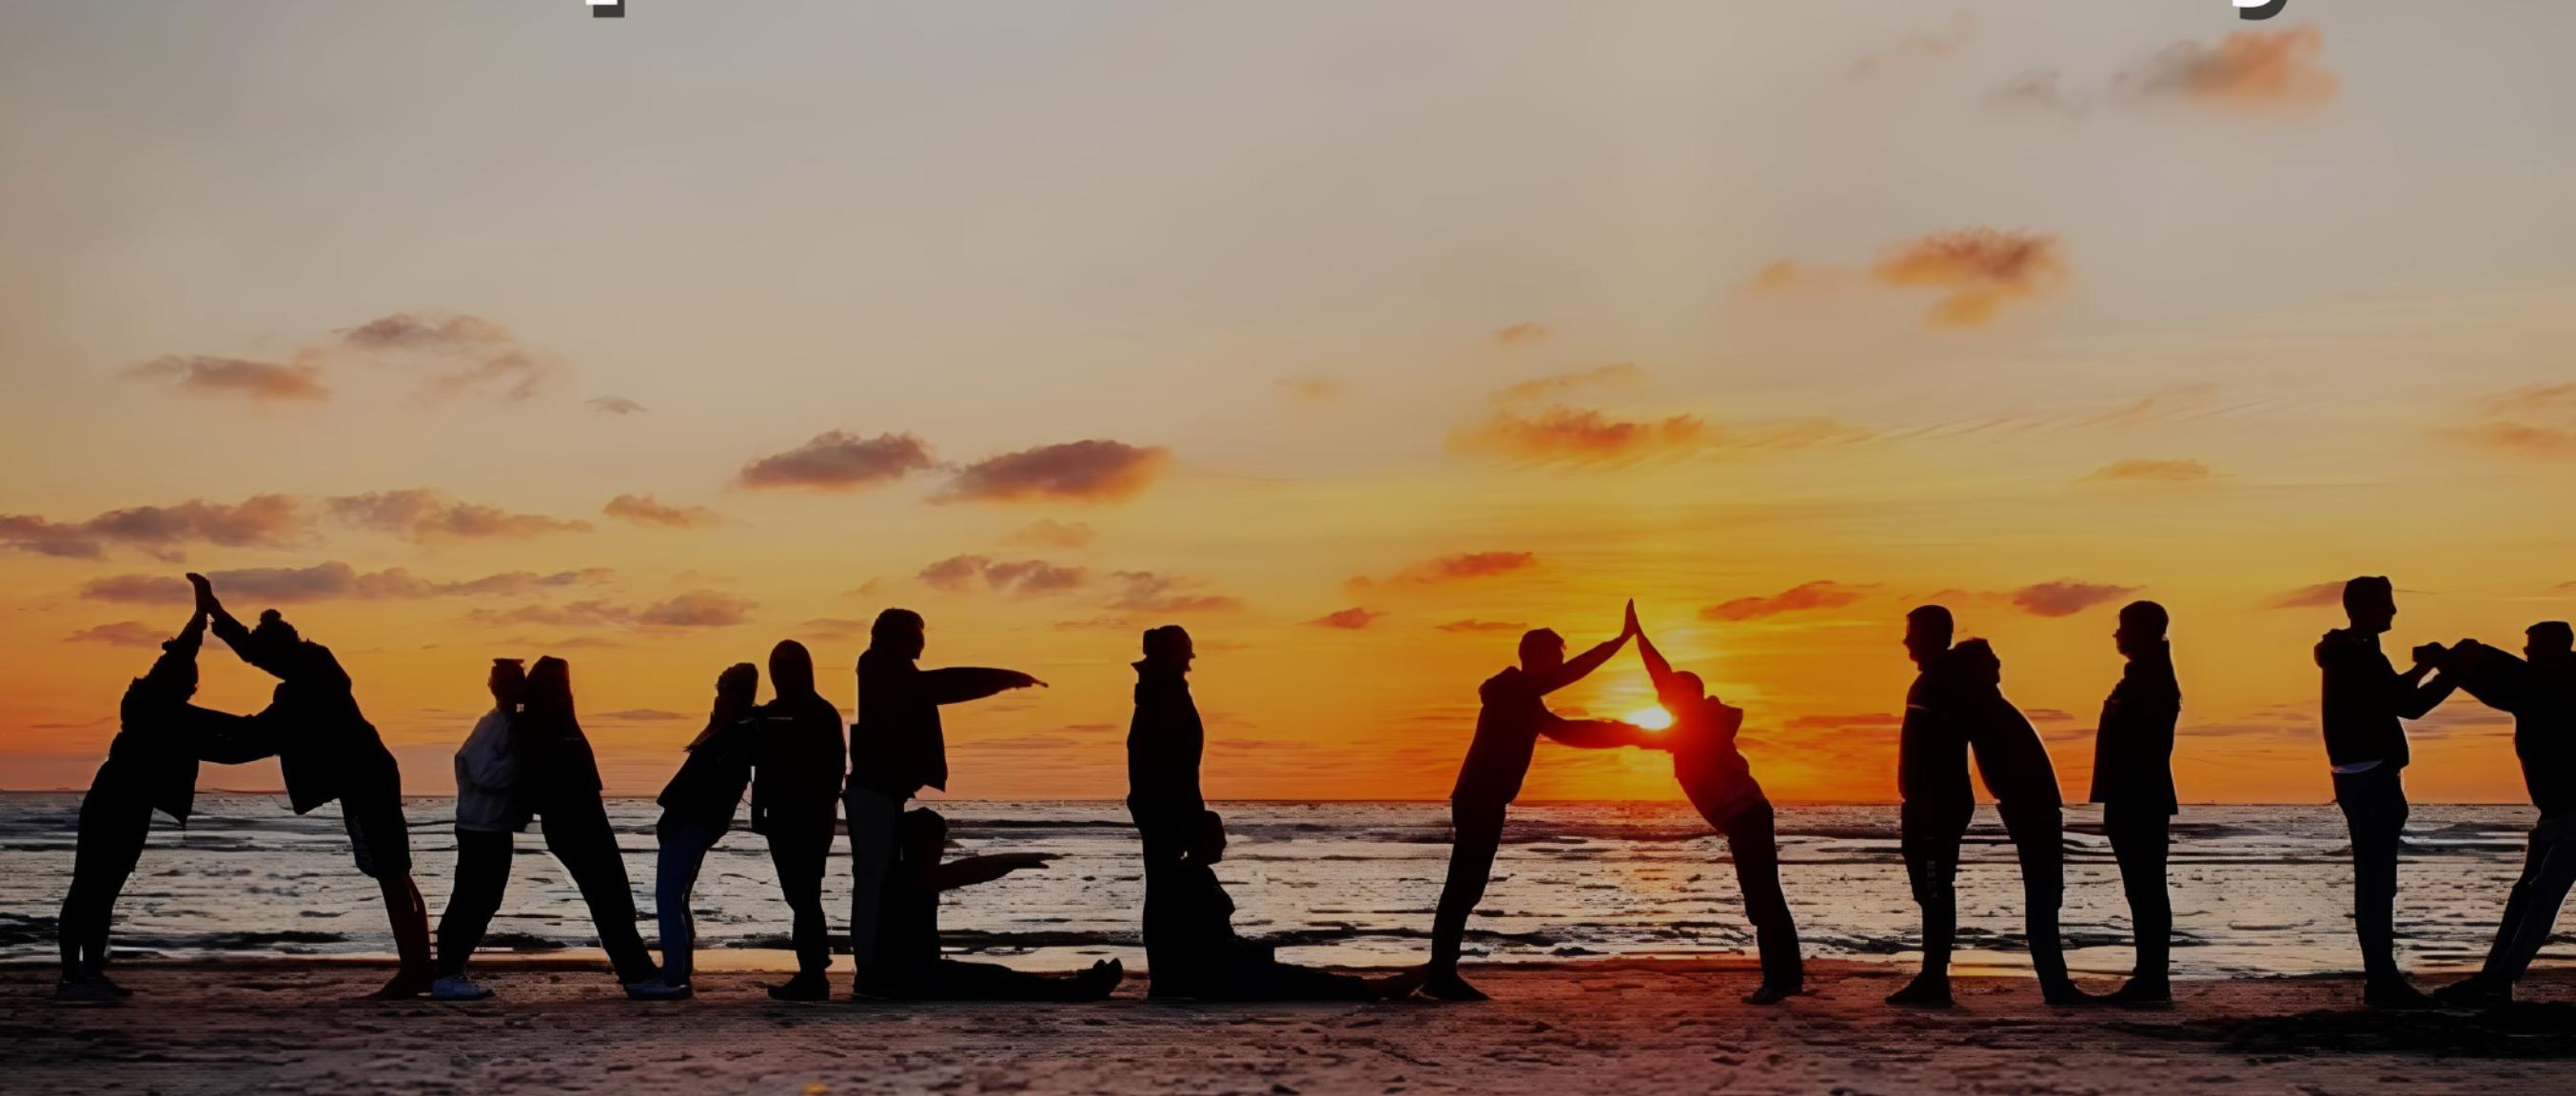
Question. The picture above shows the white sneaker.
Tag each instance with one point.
(458, 988)
(655, 989)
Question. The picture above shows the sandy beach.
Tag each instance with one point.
(1603, 1026)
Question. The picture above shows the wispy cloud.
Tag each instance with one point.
(333, 581)
(1021, 578)
(1459, 567)
(2143, 470)
(260, 521)
(839, 461)
(422, 515)
(1155, 592)
(453, 354)
(1094, 470)
(123, 633)
(1919, 46)
(645, 509)
(615, 405)
(1521, 334)
(1472, 625)
(1313, 388)
(1974, 272)
(2249, 68)
(1050, 533)
(259, 382)
(1581, 437)
(2066, 598)
(691, 610)
(2309, 597)
(1351, 620)
(1804, 597)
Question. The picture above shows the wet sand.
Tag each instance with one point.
(298, 1026)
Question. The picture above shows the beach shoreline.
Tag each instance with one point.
(1623, 1025)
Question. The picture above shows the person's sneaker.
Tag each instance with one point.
(2140, 993)
(1103, 978)
(1924, 991)
(2396, 994)
(1450, 987)
(120, 991)
(457, 987)
(2067, 996)
(801, 988)
(404, 984)
(2475, 992)
(1768, 994)
(84, 991)
(1398, 986)
(655, 989)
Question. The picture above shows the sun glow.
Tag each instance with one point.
(1653, 719)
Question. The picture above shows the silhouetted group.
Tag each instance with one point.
(527, 759)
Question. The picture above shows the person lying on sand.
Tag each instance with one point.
(909, 965)
(1202, 957)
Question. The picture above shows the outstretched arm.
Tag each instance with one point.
(1596, 734)
(959, 684)
(968, 871)
(2416, 697)
(1657, 670)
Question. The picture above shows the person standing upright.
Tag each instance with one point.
(488, 811)
(2133, 781)
(2364, 700)
(1938, 802)
(797, 757)
(897, 748)
(1164, 744)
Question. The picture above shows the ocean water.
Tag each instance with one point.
(2257, 890)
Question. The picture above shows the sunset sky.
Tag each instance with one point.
(1355, 337)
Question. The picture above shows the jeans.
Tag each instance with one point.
(2141, 838)
(1478, 834)
(578, 833)
(872, 816)
(113, 826)
(675, 875)
(2038, 835)
(2374, 811)
(1929, 835)
(1751, 840)
(2548, 869)
(482, 874)
(800, 856)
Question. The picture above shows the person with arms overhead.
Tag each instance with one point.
(488, 811)
(2540, 691)
(1938, 802)
(2133, 781)
(1508, 726)
(151, 765)
(1202, 957)
(897, 748)
(1719, 782)
(2015, 767)
(797, 757)
(698, 806)
(909, 965)
(2364, 700)
(327, 751)
(1164, 744)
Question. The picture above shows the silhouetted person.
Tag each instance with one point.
(151, 765)
(908, 961)
(896, 749)
(326, 750)
(1508, 727)
(1719, 782)
(489, 809)
(2133, 781)
(2015, 767)
(1203, 958)
(2364, 700)
(698, 806)
(797, 756)
(2541, 694)
(1164, 743)
(1932, 780)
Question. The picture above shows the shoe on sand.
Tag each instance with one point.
(801, 988)
(2140, 993)
(1396, 987)
(655, 989)
(1450, 987)
(1768, 994)
(85, 991)
(2396, 994)
(1923, 992)
(2067, 996)
(404, 984)
(2475, 992)
(457, 987)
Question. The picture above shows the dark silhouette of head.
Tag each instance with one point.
(920, 836)
(273, 635)
(738, 684)
(173, 676)
(1684, 688)
(548, 690)
(2370, 602)
(1168, 647)
(791, 670)
(1976, 663)
(1927, 633)
(899, 632)
(508, 682)
(1207, 839)
(2549, 641)
(2142, 628)
(1542, 649)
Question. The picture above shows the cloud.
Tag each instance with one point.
(259, 382)
(694, 609)
(2309, 597)
(1558, 384)
(1820, 594)
(840, 461)
(1050, 533)
(2063, 598)
(647, 510)
(833, 628)
(1976, 270)
(123, 633)
(2247, 69)
(1352, 619)
(1844, 722)
(1152, 592)
(2140, 470)
(1022, 578)
(2532, 421)
(1454, 568)
(1092, 470)
(638, 715)
(454, 354)
(1785, 275)
(1920, 46)
(1313, 388)
(616, 405)
(1521, 334)
(2048, 715)
(1566, 435)
(2041, 90)
(333, 581)
(1472, 625)
(422, 515)
(260, 521)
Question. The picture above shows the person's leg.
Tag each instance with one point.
(872, 816)
(675, 878)
(799, 859)
(1753, 843)
(482, 875)
(1478, 835)
(113, 828)
(1278, 981)
(2374, 809)
(952, 980)
(579, 834)
(2543, 889)
(2517, 906)
(1929, 839)
(1164, 841)
(2140, 840)
(2038, 835)
(380, 842)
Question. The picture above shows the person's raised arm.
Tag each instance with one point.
(1657, 670)
(1597, 734)
(226, 628)
(1582, 665)
(959, 684)
(2414, 697)
(970, 870)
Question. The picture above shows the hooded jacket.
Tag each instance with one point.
(897, 747)
(2364, 698)
(1165, 741)
(2133, 744)
(1508, 726)
(160, 736)
(1932, 743)
(2010, 757)
(324, 745)
(708, 788)
(797, 754)
(1706, 762)
(2542, 699)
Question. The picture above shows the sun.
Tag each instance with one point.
(1653, 719)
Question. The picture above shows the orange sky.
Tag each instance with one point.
(1353, 339)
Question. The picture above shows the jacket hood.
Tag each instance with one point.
(1975, 663)
(1498, 683)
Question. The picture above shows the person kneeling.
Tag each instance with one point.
(909, 965)
(1194, 919)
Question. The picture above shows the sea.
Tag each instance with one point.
(2258, 890)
